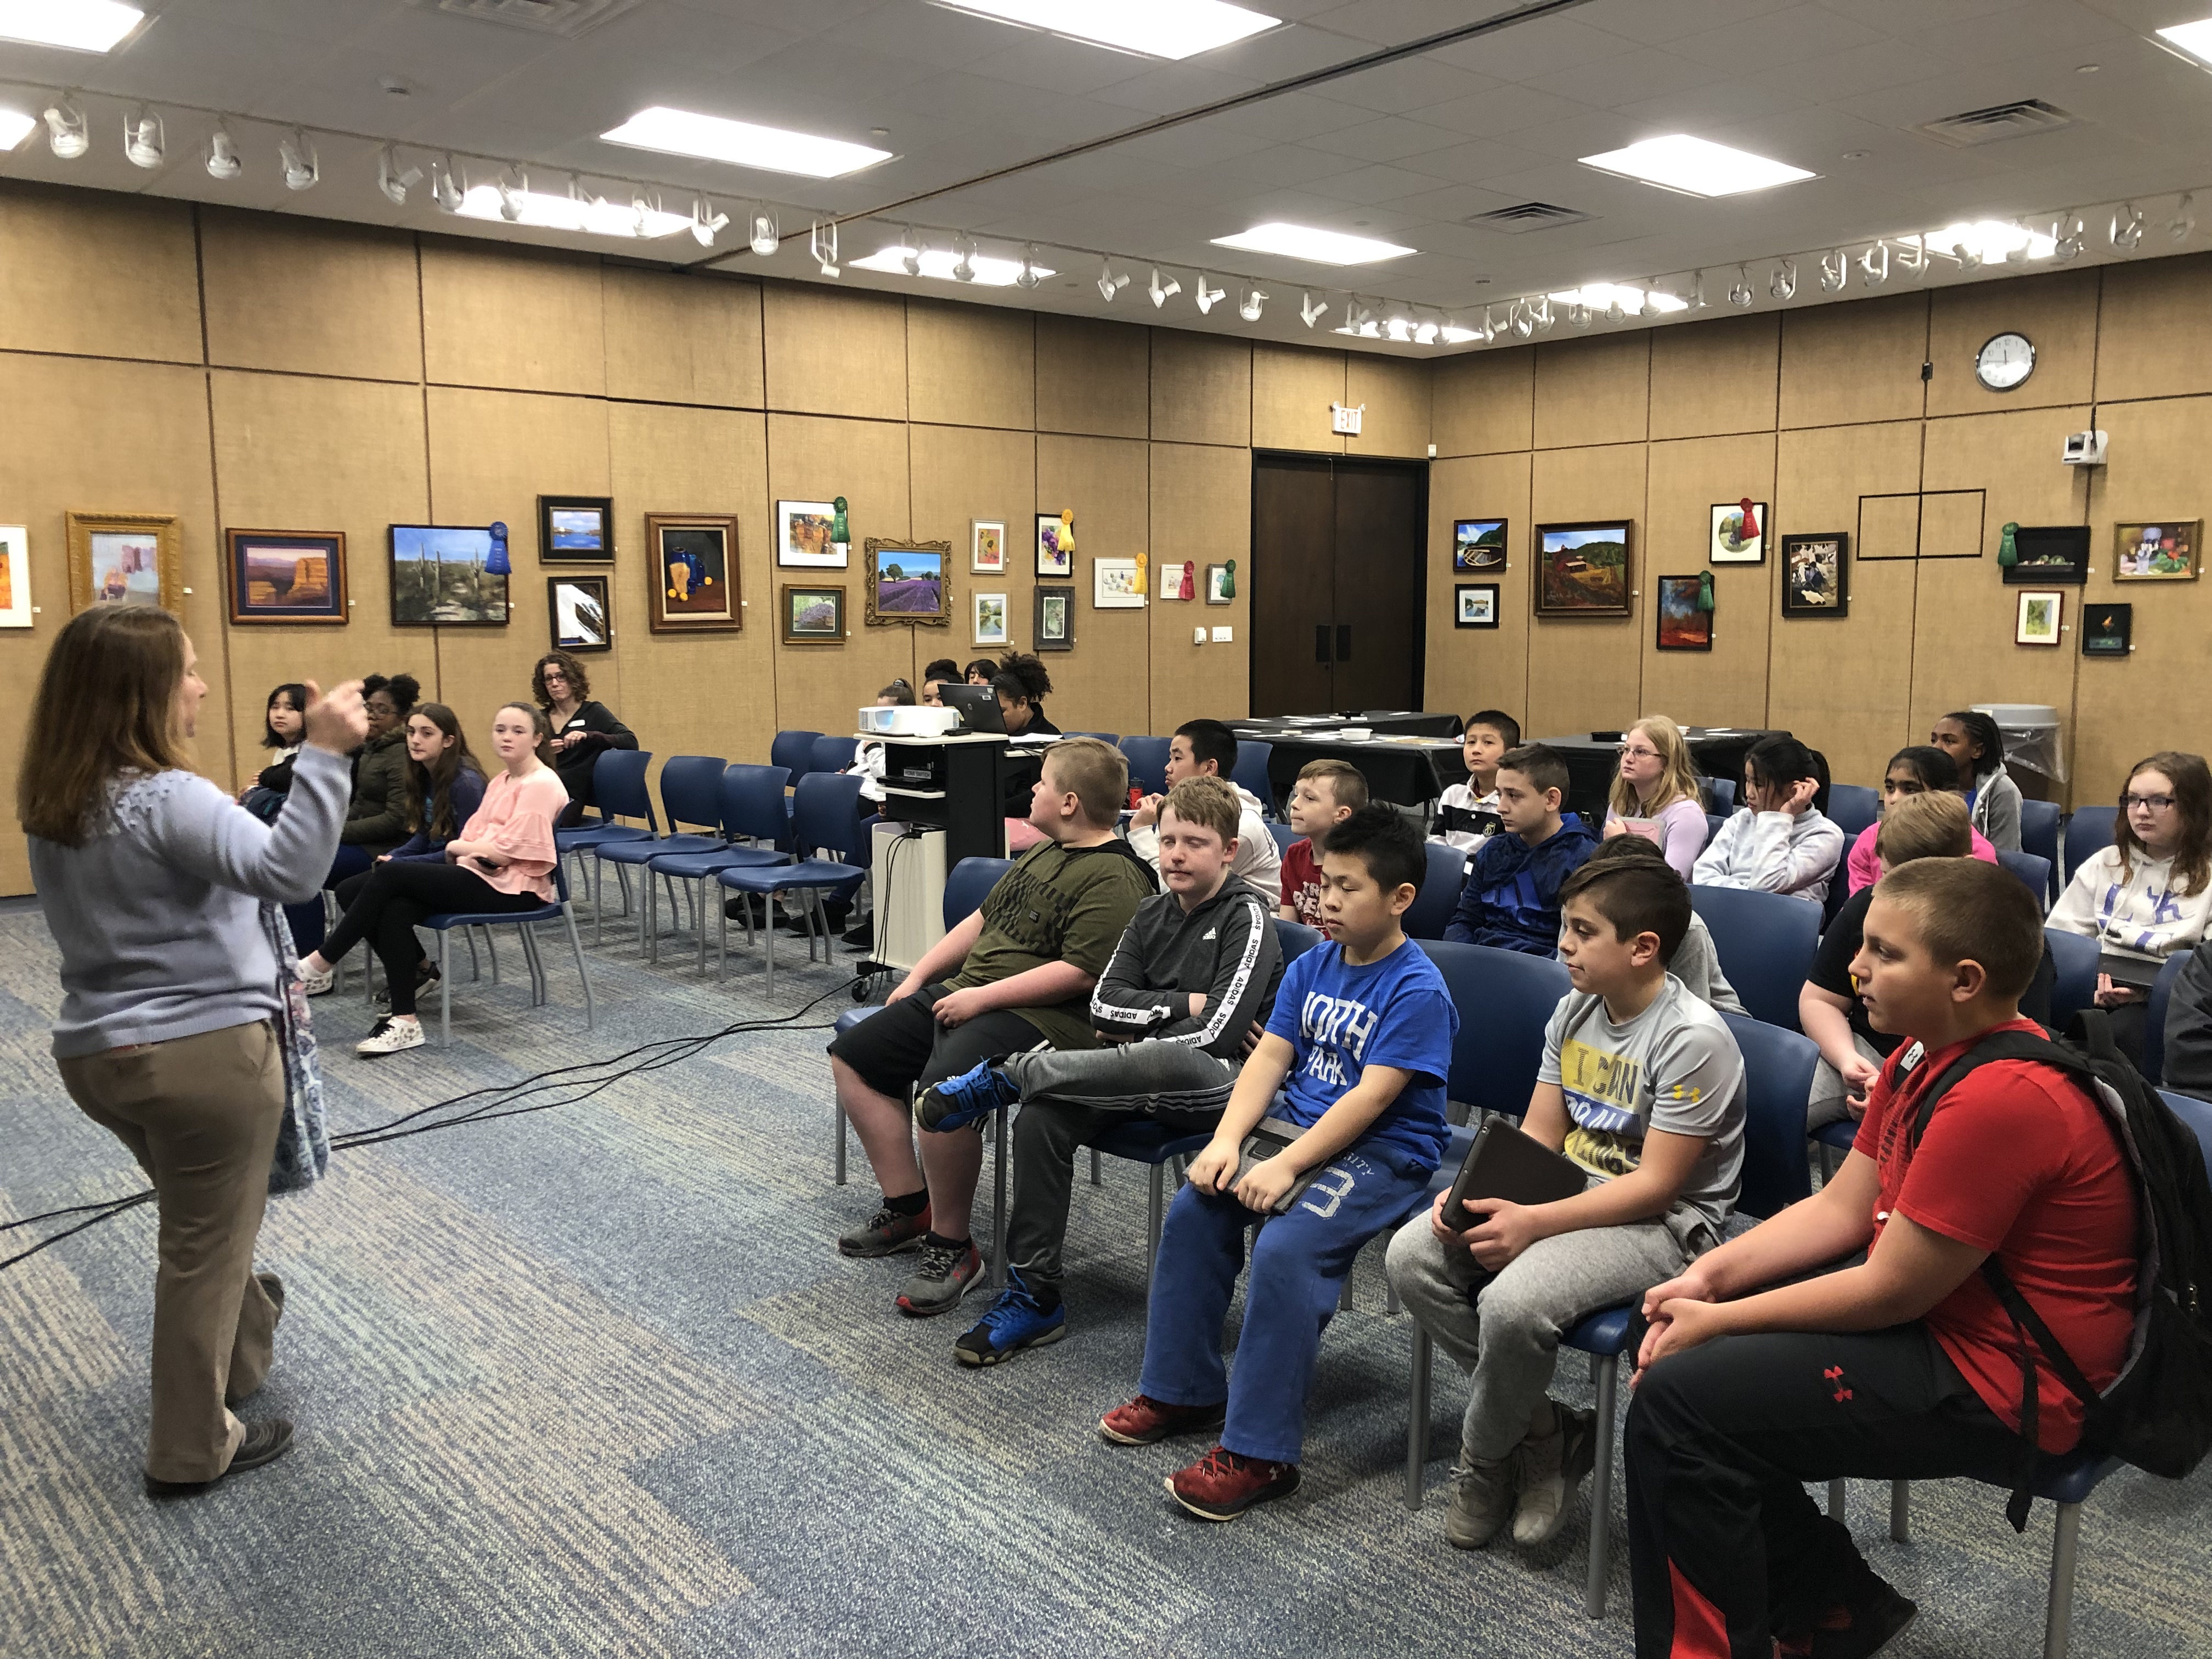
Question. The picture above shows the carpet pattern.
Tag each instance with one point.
(594, 1382)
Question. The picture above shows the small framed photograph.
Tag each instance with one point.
(1682, 626)
(448, 575)
(2041, 616)
(2107, 630)
(1221, 583)
(1478, 545)
(693, 585)
(578, 609)
(575, 529)
(805, 536)
(1816, 574)
(124, 558)
(908, 583)
(1739, 533)
(1475, 605)
(990, 619)
(1055, 546)
(2049, 553)
(2161, 552)
(15, 576)
(1113, 585)
(987, 547)
(1055, 617)
(1582, 569)
(1178, 581)
(812, 615)
(277, 576)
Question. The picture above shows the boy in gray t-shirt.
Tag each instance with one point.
(1642, 1086)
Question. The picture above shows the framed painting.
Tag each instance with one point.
(1475, 605)
(124, 558)
(1682, 626)
(1739, 533)
(2161, 552)
(580, 613)
(1221, 583)
(1114, 584)
(909, 582)
(2049, 553)
(987, 547)
(990, 619)
(2040, 617)
(1054, 619)
(278, 576)
(695, 584)
(575, 529)
(1583, 569)
(1055, 546)
(1816, 576)
(1478, 545)
(805, 534)
(2107, 630)
(1178, 581)
(448, 576)
(812, 615)
(15, 576)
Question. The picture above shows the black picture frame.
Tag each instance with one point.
(1816, 574)
(590, 613)
(286, 576)
(1479, 546)
(1560, 584)
(473, 583)
(2107, 630)
(2050, 555)
(800, 613)
(1476, 592)
(1678, 624)
(1063, 595)
(564, 536)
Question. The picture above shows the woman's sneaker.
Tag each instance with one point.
(1222, 1485)
(1144, 1421)
(389, 1036)
(1015, 1321)
(318, 985)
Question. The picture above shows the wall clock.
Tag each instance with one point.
(2004, 362)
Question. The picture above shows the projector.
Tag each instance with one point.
(914, 722)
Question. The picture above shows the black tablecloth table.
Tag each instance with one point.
(1594, 760)
(1409, 774)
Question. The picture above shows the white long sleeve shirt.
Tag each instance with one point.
(2139, 915)
(1773, 853)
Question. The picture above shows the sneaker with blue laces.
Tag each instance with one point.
(969, 1098)
(1015, 1321)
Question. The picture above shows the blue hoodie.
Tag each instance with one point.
(1512, 897)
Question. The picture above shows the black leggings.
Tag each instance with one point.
(385, 905)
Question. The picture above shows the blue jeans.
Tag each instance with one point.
(1299, 1263)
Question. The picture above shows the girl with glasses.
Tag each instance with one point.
(1656, 794)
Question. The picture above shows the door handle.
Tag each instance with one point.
(1321, 643)
(1344, 641)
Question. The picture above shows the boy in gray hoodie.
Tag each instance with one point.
(1194, 974)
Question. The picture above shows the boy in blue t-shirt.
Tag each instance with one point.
(1359, 1043)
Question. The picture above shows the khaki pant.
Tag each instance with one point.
(201, 1114)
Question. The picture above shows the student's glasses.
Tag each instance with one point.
(1631, 753)
(2149, 803)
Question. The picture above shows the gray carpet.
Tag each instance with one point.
(593, 1381)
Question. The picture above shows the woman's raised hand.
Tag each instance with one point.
(337, 722)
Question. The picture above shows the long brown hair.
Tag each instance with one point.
(543, 748)
(432, 786)
(1678, 776)
(107, 705)
(2192, 799)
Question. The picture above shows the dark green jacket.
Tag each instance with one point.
(376, 818)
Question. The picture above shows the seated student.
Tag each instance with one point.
(941, 672)
(283, 729)
(1017, 973)
(1327, 791)
(1207, 749)
(1905, 1365)
(1696, 961)
(1024, 716)
(1657, 794)
(1977, 748)
(2188, 1069)
(1467, 813)
(1511, 895)
(1914, 771)
(1359, 1043)
(1030, 672)
(2150, 893)
(1781, 842)
(1641, 1085)
(981, 671)
(1196, 967)
(376, 813)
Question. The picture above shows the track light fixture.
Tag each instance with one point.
(1698, 300)
(1426, 332)
(512, 184)
(2127, 233)
(1578, 314)
(963, 262)
(1614, 314)
(1781, 280)
(222, 158)
(1208, 296)
(1540, 313)
(1874, 265)
(1834, 266)
(1740, 293)
(144, 141)
(66, 134)
(1162, 293)
(1489, 329)
(1248, 308)
(1913, 263)
(765, 236)
(394, 178)
(910, 261)
(1027, 278)
(446, 187)
(822, 243)
(2071, 243)
(2183, 225)
(1310, 310)
(1109, 283)
(706, 224)
(1519, 321)
(1400, 329)
(297, 156)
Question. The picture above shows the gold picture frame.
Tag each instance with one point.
(908, 581)
(125, 558)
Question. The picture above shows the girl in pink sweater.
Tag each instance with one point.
(1919, 770)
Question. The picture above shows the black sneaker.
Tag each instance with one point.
(885, 1233)
(1871, 1617)
(426, 979)
(860, 938)
(264, 1443)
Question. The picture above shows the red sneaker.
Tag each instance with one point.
(1145, 1419)
(1221, 1485)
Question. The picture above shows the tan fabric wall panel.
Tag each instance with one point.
(1201, 514)
(1726, 685)
(2058, 313)
(513, 318)
(1472, 668)
(1397, 419)
(835, 351)
(1485, 403)
(1718, 376)
(1584, 671)
(682, 339)
(310, 296)
(97, 274)
(1860, 362)
(1093, 377)
(2151, 338)
(970, 365)
(1593, 391)
(1201, 388)
(962, 474)
(1291, 389)
(1104, 683)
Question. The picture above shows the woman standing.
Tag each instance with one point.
(154, 884)
(1657, 794)
(583, 730)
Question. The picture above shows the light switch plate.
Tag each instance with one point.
(1223, 635)
(1198, 636)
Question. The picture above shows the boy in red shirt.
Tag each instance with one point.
(1904, 1366)
(1328, 792)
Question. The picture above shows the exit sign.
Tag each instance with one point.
(1345, 418)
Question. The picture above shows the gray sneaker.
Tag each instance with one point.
(945, 1273)
(1551, 1468)
(1482, 1502)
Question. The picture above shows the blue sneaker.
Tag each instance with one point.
(1014, 1323)
(968, 1098)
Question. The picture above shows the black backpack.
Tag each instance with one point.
(2157, 1415)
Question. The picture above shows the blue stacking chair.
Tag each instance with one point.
(1852, 807)
(444, 922)
(2074, 958)
(1504, 999)
(1713, 822)
(2038, 834)
(690, 792)
(2088, 832)
(826, 816)
(832, 754)
(1148, 763)
(1251, 771)
(1284, 835)
(1430, 912)
(753, 814)
(1720, 794)
(618, 790)
(2161, 999)
(2034, 869)
(1766, 942)
(1114, 738)
(1296, 939)
(793, 751)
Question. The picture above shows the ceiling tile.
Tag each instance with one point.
(1374, 184)
(1801, 34)
(1292, 116)
(1651, 26)
(1542, 47)
(1506, 110)
(1407, 84)
(1387, 140)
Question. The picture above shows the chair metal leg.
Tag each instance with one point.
(576, 949)
(1901, 1511)
(491, 950)
(1344, 1294)
(2065, 1556)
(598, 902)
(837, 1141)
(1417, 1421)
(1601, 1515)
(1154, 1210)
(1095, 1180)
(538, 990)
(1839, 1499)
(1391, 1305)
(767, 948)
(998, 1195)
(444, 992)
(699, 920)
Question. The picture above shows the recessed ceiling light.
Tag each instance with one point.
(1321, 247)
(15, 127)
(1697, 166)
(2195, 38)
(594, 214)
(712, 138)
(1158, 28)
(989, 272)
(79, 24)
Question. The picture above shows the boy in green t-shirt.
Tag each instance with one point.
(1015, 975)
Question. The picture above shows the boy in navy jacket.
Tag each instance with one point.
(1512, 896)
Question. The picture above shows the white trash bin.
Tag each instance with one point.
(2030, 735)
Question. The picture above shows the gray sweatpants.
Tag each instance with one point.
(1503, 1328)
(1831, 1101)
(1070, 1097)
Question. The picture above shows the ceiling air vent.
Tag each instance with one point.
(1528, 216)
(568, 17)
(1987, 126)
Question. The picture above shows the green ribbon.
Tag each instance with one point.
(2008, 548)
